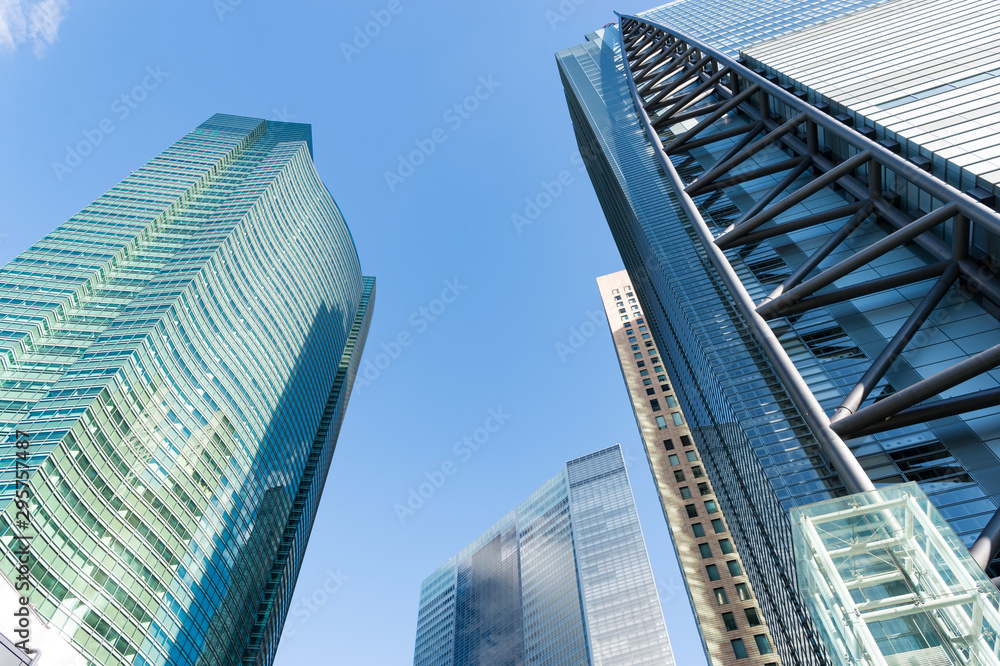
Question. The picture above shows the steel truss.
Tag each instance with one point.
(676, 79)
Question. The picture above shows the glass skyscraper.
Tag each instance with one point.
(176, 360)
(562, 579)
(698, 149)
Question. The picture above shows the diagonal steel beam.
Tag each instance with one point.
(859, 259)
(754, 212)
(671, 68)
(917, 393)
(720, 111)
(933, 411)
(729, 163)
(851, 209)
(884, 361)
(702, 88)
(754, 174)
(796, 197)
(866, 288)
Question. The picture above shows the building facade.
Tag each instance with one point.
(770, 246)
(176, 363)
(722, 598)
(562, 579)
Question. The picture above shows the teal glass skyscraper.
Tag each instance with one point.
(562, 579)
(176, 360)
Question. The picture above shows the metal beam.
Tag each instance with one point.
(939, 409)
(730, 163)
(754, 174)
(859, 210)
(884, 361)
(721, 110)
(922, 390)
(986, 547)
(836, 451)
(796, 197)
(867, 288)
(859, 259)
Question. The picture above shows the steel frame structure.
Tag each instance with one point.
(881, 540)
(675, 79)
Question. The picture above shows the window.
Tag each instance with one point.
(692, 511)
(685, 440)
(743, 592)
(641, 364)
(692, 455)
(644, 373)
(703, 489)
(721, 596)
(658, 368)
(668, 444)
(676, 416)
(629, 294)
(649, 343)
(661, 422)
(685, 493)
(679, 475)
(647, 382)
(655, 404)
(739, 649)
(638, 355)
(654, 360)
(645, 336)
(763, 645)
(734, 568)
(710, 506)
(635, 307)
(639, 321)
(674, 460)
(730, 621)
(713, 572)
(621, 310)
(664, 387)
(726, 545)
(706, 551)
(698, 529)
(718, 526)
(642, 328)
(635, 348)
(628, 332)
(752, 618)
(697, 472)
(660, 378)
(624, 317)
(651, 391)
(632, 339)
(671, 401)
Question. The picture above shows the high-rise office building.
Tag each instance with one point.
(722, 599)
(562, 579)
(820, 279)
(176, 360)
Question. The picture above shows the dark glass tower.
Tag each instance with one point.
(179, 356)
(562, 579)
(799, 382)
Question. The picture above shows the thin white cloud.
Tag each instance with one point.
(30, 22)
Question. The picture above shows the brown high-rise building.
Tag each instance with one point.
(732, 628)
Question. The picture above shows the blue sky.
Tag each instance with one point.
(127, 79)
